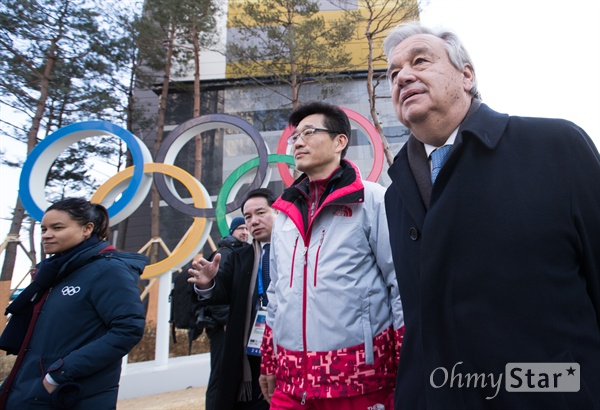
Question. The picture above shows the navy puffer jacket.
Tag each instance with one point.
(89, 321)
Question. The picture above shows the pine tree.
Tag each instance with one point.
(375, 19)
(288, 42)
(181, 27)
(55, 69)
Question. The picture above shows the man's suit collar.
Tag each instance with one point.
(481, 123)
(419, 166)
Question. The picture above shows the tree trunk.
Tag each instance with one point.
(162, 104)
(121, 244)
(32, 253)
(10, 253)
(198, 138)
(372, 107)
(129, 109)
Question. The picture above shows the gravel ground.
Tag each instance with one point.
(191, 398)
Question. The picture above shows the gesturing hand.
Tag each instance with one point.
(204, 271)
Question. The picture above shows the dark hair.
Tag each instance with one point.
(260, 192)
(335, 118)
(84, 211)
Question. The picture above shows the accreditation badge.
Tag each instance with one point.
(256, 333)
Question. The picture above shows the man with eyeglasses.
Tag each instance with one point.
(334, 320)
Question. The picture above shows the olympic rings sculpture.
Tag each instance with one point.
(124, 192)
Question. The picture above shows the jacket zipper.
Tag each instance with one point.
(304, 303)
(315, 201)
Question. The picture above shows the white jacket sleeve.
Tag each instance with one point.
(380, 244)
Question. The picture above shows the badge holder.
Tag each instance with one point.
(257, 332)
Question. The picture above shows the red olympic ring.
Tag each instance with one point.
(358, 119)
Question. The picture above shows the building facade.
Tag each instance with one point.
(266, 109)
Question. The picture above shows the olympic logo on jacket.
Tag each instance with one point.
(70, 290)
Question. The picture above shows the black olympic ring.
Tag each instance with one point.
(185, 132)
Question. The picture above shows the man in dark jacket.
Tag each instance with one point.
(239, 284)
(238, 236)
(216, 315)
(497, 258)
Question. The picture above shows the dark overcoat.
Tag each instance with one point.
(498, 263)
(232, 285)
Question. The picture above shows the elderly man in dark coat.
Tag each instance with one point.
(498, 259)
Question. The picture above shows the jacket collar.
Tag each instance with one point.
(484, 124)
(481, 123)
(344, 187)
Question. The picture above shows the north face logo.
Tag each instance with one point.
(343, 211)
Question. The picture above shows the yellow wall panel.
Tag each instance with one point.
(358, 47)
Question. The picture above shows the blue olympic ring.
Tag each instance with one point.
(32, 190)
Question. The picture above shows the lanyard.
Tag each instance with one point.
(261, 291)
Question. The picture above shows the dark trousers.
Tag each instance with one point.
(216, 335)
(259, 404)
(217, 341)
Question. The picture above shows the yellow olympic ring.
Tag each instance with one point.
(193, 241)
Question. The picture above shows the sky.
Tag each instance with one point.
(532, 58)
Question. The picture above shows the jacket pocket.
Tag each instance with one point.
(39, 396)
(367, 332)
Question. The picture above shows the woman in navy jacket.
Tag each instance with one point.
(81, 314)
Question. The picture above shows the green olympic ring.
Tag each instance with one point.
(236, 175)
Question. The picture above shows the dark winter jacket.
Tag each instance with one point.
(225, 247)
(89, 321)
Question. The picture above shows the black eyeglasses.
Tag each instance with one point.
(306, 134)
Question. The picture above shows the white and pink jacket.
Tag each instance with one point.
(335, 321)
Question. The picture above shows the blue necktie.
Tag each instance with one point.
(438, 157)
(266, 278)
